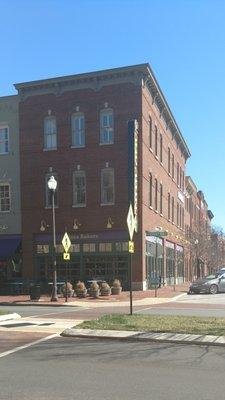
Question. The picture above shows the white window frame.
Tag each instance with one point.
(5, 198)
(78, 133)
(104, 190)
(48, 204)
(48, 135)
(4, 142)
(106, 129)
(81, 174)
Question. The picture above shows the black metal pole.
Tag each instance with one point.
(131, 294)
(54, 289)
(156, 259)
(66, 284)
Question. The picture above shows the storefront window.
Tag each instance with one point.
(42, 249)
(105, 247)
(89, 247)
(121, 246)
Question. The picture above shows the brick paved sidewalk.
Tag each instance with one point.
(164, 292)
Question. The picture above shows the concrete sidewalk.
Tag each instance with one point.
(165, 337)
(162, 295)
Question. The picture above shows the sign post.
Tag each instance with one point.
(131, 227)
(66, 242)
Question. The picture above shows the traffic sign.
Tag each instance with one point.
(157, 233)
(131, 246)
(66, 256)
(66, 242)
(131, 222)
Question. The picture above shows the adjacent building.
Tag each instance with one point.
(10, 209)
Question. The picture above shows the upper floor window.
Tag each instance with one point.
(156, 194)
(4, 139)
(161, 198)
(173, 166)
(161, 148)
(50, 133)
(172, 209)
(178, 174)
(150, 190)
(150, 132)
(79, 188)
(156, 141)
(48, 192)
(169, 161)
(168, 199)
(4, 197)
(78, 130)
(106, 127)
(107, 186)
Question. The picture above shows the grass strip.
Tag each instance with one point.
(3, 312)
(158, 323)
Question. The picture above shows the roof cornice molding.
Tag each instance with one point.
(92, 80)
(140, 74)
(165, 112)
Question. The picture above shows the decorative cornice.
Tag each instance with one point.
(140, 75)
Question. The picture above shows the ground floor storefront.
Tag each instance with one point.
(100, 255)
(164, 262)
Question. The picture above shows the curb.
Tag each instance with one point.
(37, 304)
(137, 336)
(8, 317)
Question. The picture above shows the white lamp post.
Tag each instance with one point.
(52, 185)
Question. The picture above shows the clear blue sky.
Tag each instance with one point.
(183, 40)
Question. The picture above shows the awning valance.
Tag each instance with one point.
(8, 245)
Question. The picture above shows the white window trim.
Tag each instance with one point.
(102, 113)
(77, 115)
(45, 134)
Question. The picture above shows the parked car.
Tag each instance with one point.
(210, 284)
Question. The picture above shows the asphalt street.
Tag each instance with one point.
(69, 368)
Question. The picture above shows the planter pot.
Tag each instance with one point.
(94, 293)
(81, 293)
(116, 290)
(105, 292)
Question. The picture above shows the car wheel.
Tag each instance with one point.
(213, 289)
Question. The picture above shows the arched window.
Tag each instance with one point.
(106, 127)
(50, 133)
(78, 130)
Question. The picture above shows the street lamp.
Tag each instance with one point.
(52, 185)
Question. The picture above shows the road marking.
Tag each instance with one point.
(54, 313)
(6, 353)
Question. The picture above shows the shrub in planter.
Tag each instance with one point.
(105, 289)
(69, 290)
(94, 289)
(81, 290)
(116, 288)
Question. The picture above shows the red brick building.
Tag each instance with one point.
(76, 128)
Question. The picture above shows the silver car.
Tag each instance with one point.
(210, 284)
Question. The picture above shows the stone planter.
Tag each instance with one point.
(105, 292)
(94, 293)
(81, 293)
(116, 290)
